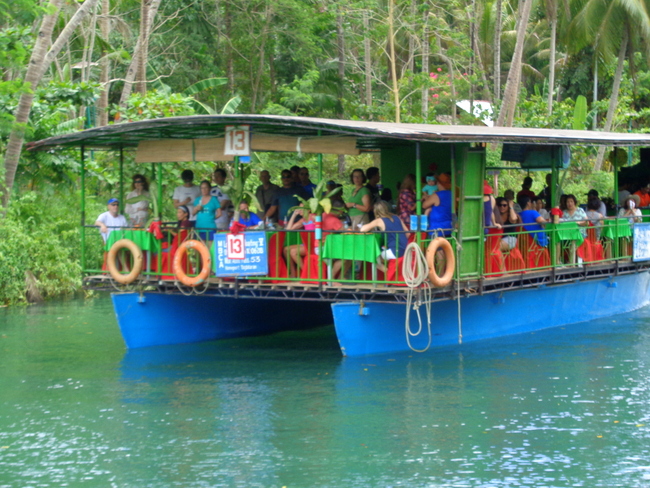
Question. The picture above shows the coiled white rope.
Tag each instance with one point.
(415, 271)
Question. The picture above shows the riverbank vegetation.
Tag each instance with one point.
(67, 66)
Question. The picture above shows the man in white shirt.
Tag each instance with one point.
(108, 221)
(219, 178)
(187, 193)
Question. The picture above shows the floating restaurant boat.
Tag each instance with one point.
(489, 292)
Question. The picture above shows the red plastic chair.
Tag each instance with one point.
(168, 257)
(536, 255)
(494, 262)
(277, 266)
(597, 251)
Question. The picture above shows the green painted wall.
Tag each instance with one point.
(399, 161)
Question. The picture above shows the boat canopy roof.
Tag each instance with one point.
(370, 136)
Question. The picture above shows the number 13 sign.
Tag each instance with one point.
(235, 246)
(237, 140)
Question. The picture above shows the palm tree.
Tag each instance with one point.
(615, 28)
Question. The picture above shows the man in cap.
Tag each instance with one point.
(111, 219)
(644, 195)
(187, 193)
(593, 196)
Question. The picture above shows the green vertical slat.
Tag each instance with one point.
(471, 217)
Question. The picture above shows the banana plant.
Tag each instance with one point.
(317, 204)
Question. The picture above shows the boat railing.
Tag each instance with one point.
(344, 258)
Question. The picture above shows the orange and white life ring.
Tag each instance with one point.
(445, 246)
(111, 261)
(206, 259)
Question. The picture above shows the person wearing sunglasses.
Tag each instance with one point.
(509, 219)
(138, 212)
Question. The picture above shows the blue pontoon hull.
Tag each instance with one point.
(378, 328)
(154, 319)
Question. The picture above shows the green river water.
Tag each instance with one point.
(562, 407)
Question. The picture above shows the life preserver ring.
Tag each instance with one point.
(445, 279)
(111, 261)
(180, 273)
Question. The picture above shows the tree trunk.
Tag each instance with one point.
(410, 64)
(551, 14)
(497, 52)
(425, 63)
(511, 91)
(39, 61)
(613, 100)
(551, 65)
(340, 47)
(102, 103)
(135, 60)
(391, 59)
(257, 80)
(367, 59)
(143, 55)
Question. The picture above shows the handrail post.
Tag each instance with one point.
(83, 210)
(121, 179)
(418, 191)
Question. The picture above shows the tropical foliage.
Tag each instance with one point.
(66, 66)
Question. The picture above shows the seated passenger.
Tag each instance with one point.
(630, 209)
(440, 205)
(294, 253)
(246, 217)
(138, 212)
(574, 213)
(509, 219)
(396, 240)
(111, 219)
(540, 206)
(533, 221)
(594, 216)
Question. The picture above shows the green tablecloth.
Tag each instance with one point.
(354, 247)
(615, 228)
(566, 231)
(145, 240)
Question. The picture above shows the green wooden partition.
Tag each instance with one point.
(470, 168)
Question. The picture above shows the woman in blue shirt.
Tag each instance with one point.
(207, 209)
(532, 220)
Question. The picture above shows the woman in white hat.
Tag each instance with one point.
(630, 209)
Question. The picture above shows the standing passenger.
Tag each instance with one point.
(186, 193)
(440, 204)
(359, 202)
(138, 211)
(207, 209)
(219, 177)
(407, 199)
(265, 193)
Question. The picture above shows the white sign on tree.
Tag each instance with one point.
(237, 140)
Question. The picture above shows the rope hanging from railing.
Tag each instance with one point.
(415, 271)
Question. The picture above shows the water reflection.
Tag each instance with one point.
(539, 410)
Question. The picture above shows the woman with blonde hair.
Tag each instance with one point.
(396, 238)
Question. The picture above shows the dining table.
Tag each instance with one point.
(352, 246)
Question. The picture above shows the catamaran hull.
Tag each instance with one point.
(378, 328)
(156, 319)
